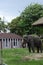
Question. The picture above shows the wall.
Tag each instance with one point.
(9, 43)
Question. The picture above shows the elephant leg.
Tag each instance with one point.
(37, 49)
(32, 46)
(33, 49)
(29, 49)
(41, 49)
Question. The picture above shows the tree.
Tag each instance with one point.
(22, 24)
(31, 14)
(2, 26)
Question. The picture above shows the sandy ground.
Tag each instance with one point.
(35, 56)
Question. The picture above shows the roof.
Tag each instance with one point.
(38, 22)
(10, 35)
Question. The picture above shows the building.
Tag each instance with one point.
(39, 22)
(10, 40)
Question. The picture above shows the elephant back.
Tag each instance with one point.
(34, 38)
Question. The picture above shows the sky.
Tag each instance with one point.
(10, 9)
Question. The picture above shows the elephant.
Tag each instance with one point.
(33, 42)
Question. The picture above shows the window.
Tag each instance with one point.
(18, 39)
(9, 40)
(0, 39)
(14, 42)
(3, 39)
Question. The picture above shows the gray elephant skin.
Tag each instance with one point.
(33, 42)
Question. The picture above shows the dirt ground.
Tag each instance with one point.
(35, 56)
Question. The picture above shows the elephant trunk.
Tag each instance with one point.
(23, 44)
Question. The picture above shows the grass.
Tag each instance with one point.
(16, 57)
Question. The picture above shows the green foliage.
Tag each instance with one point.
(2, 25)
(22, 24)
(31, 14)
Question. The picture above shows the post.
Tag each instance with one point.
(1, 61)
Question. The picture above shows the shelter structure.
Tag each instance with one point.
(10, 40)
(39, 22)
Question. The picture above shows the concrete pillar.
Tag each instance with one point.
(15, 42)
(8, 46)
(5, 42)
(10, 43)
